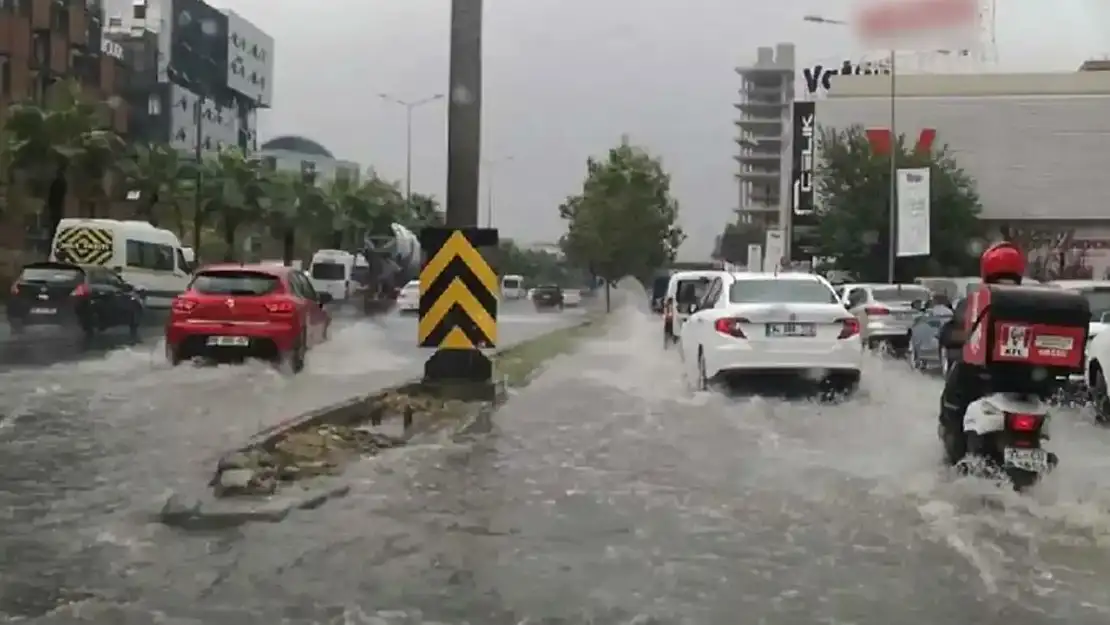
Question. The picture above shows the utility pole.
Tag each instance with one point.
(409, 108)
(895, 149)
(464, 114)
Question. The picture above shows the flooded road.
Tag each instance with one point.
(608, 493)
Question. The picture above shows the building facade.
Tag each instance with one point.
(202, 74)
(1036, 144)
(44, 42)
(766, 91)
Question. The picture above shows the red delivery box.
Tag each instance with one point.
(1010, 327)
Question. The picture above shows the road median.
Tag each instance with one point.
(299, 462)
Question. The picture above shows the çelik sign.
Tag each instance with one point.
(803, 188)
(818, 78)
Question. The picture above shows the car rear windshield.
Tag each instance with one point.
(329, 271)
(780, 292)
(234, 283)
(547, 289)
(905, 294)
(510, 283)
(51, 274)
(1099, 301)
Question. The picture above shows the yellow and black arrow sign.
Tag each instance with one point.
(83, 245)
(458, 290)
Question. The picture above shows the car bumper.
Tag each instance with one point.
(844, 355)
(886, 330)
(408, 306)
(191, 338)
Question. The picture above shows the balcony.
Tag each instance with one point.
(759, 175)
(755, 109)
(760, 159)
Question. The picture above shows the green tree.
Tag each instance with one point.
(157, 177)
(235, 191)
(66, 143)
(424, 211)
(732, 246)
(853, 187)
(624, 221)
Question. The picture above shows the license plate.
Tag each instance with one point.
(1035, 460)
(44, 311)
(791, 329)
(229, 341)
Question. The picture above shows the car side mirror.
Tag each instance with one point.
(692, 308)
(324, 298)
(918, 305)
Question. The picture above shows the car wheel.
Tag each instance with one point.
(1100, 396)
(297, 355)
(173, 356)
(133, 325)
(703, 379)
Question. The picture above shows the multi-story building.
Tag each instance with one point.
(201, 74)
(766, 91)
(294, 153)
(43, 42)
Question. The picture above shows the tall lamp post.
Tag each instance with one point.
(491, 168)
(410, 106)
(894, 148)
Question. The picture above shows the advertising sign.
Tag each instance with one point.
(913, 212)
(774, 249)
(803, 201)
(818, 79)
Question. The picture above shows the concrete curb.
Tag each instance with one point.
(207, 511)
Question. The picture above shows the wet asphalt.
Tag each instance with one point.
(607, 493)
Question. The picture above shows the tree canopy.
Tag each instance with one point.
(536, 266)
(853, 186)
(64, 149)
(624, 222)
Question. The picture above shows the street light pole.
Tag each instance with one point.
(895, 148)
(491, 168)
(410, 106)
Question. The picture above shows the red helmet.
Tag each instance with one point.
(1002, 261)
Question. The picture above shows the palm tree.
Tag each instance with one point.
(425, 210)
(62, 143)
(236, 191)
(158, 176)
(296, 205)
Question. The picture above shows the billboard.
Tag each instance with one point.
(803, 187)
(197, 45)
(250, 60)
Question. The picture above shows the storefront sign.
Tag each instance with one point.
(804, 142)
(818, 78)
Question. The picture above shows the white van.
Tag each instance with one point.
(331, 273)
(512, 287)
(685, 289)
(146, 257)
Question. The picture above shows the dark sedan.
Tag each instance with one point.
(67, 295)
(547, 297)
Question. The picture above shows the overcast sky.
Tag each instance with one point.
(565, 78)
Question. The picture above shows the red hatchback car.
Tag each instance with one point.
(234, 312)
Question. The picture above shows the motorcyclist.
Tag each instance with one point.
(1002, 263)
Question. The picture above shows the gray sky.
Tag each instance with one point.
(565, 78)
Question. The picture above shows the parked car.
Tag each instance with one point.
(925, 353)
(547, 297)
(885, 311)
(91, 298)
(408, 300)
(234, 312)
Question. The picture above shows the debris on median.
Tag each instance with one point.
(325, 445)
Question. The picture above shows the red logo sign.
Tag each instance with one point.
(881, 141)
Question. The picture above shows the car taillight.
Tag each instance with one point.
(281, 308)
(877, 310)
(850, 328)
(1018, 422)
(731, 326)
(183, 305)
(82, 290)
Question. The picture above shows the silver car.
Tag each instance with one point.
(885, 311)
(925, 353)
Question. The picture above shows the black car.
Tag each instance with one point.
(67, 295)
(547, 297)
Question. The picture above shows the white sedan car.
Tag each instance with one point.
(572, 298)
(757, 323)
(408, 300)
